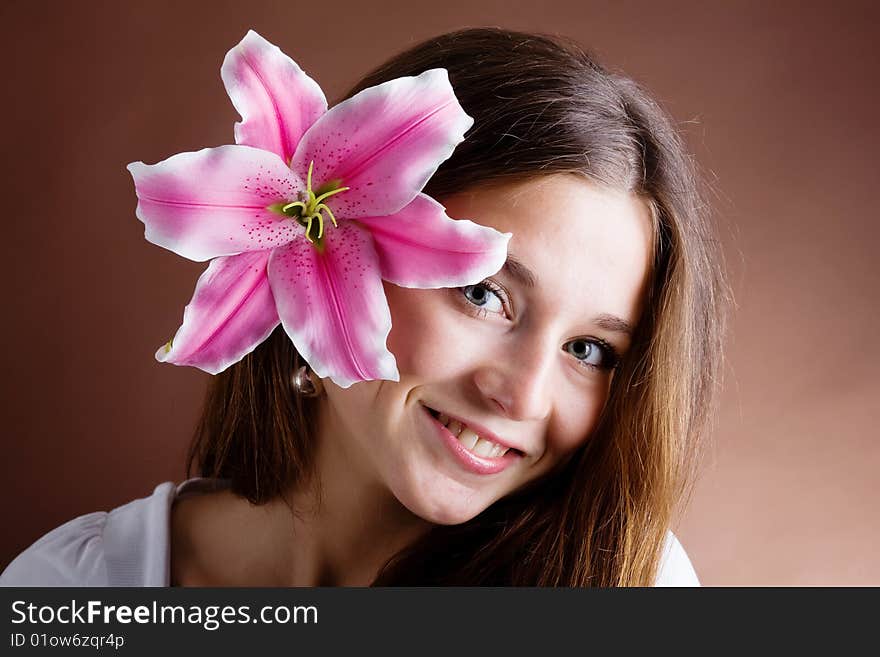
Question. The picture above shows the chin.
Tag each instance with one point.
(449, 507)
(446, 515)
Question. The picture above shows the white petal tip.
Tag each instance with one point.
(436, 73)
(163, 352)
(252, 35)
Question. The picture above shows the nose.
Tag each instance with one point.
(519, 381)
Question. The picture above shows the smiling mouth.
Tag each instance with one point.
(470, 440)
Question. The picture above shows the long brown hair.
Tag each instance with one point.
(541, 105)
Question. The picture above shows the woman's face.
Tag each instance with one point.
(524, 360)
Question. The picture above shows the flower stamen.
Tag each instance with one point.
(312, 207)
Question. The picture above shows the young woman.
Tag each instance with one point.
(545, 423)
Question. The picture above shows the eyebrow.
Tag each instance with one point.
(614, 324)
(526, 277)
(519, 271)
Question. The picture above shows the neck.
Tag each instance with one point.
(342, 525)
(338, 528)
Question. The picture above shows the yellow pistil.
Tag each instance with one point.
(312, 207)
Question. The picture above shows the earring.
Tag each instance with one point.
(304, 384)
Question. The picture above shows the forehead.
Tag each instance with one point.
(589, 247)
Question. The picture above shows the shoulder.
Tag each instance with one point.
(675, 566)
(202, 543)
(127, 546)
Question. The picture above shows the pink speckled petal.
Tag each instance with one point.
(422, 247)
(277, 101)
(231, 312)
(384, 143)
(216, 201)
(333, 305)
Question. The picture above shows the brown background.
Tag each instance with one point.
(778, 101)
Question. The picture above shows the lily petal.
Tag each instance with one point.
(277, 101)
(216, 201)
(332, 305)
(384, 143)
(422, 247)
(231, 312)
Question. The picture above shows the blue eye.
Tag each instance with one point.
(593, 353)
(484, 297)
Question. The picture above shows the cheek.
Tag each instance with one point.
(576, 419)
(423, 328)
(355, 405)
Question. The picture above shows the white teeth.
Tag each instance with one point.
(498, 450)
(477, 445)
(484, 447)
(469, 439)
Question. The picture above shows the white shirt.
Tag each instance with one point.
(131, 546)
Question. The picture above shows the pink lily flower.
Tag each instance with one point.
(308, 212)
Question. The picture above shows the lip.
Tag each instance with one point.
(467, 459)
